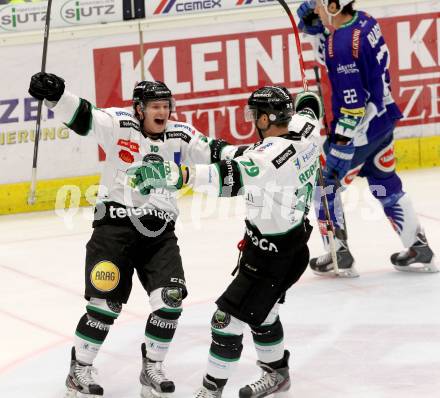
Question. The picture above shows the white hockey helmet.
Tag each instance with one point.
(342, 4)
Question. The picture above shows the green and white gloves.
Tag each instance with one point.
(153, 175)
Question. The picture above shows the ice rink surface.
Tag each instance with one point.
(377, 336)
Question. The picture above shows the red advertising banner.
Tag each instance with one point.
(211, 77)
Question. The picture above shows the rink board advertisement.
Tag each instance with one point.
(64, 13)
(155, 8)
(211, 74)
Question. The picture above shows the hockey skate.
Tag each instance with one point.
(323, 265)
(418, 258)
(208, 390)
(271, 381)
(80, 382)
(153, 379)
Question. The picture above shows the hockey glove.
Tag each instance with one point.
(310, 100)
(338, 161)
(46, 86)
(309, 22)
(153, 175)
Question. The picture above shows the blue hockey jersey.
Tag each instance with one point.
(357, 60)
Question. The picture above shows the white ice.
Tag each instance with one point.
(377, 336)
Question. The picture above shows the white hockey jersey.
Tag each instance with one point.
(276, 176)
(118, 132)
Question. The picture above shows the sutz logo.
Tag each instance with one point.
(74, 11)
(165, 6)
(12, 18)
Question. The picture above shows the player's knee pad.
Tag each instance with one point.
(104, 310)
(224, 323)
(227, 335)
(266, 333)
(387, 190)
(166, 302)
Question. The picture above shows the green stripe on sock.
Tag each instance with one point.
(222, 333)
(87, 338)
(171, 309)
(101, 311)
(157, 338)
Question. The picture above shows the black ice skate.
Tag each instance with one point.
(323, 265)
(153, 379)
(208, 390)
(80, 382)
(271, 381)
(418, 258)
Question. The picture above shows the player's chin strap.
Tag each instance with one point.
(261, 131)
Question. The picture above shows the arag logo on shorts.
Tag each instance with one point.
(105, 276)
(179, 6)
(79, 11)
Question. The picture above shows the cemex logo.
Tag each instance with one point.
(165, 6)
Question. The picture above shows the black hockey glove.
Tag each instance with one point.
(46, 86)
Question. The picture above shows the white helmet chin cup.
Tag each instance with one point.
(342, 4)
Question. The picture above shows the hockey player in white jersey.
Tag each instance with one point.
(132, 231)
(276, 176)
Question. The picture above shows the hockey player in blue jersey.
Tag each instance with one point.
(361, 138)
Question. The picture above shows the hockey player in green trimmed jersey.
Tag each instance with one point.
(276, 176)
(131, 230)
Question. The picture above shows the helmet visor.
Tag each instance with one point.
(250, 114)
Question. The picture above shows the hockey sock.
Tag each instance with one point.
(269, 341)
(159, 332)
(89, 336)
(93, 328)
(224, 353)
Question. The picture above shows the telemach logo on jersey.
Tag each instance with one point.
(105, 276)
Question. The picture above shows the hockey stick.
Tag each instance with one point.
(329, 225)
(31, 197)
(326, 126)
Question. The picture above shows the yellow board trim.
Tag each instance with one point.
(13, 197)
(411, 153)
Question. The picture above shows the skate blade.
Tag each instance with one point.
(342, 273)
(150, 392)
(422, 268)
(71, 393)
(347, 273)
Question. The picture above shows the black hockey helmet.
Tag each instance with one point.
(274, 101)
(152, 91)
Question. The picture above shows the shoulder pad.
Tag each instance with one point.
(179, 130)
(120, 113)
(180, 126)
